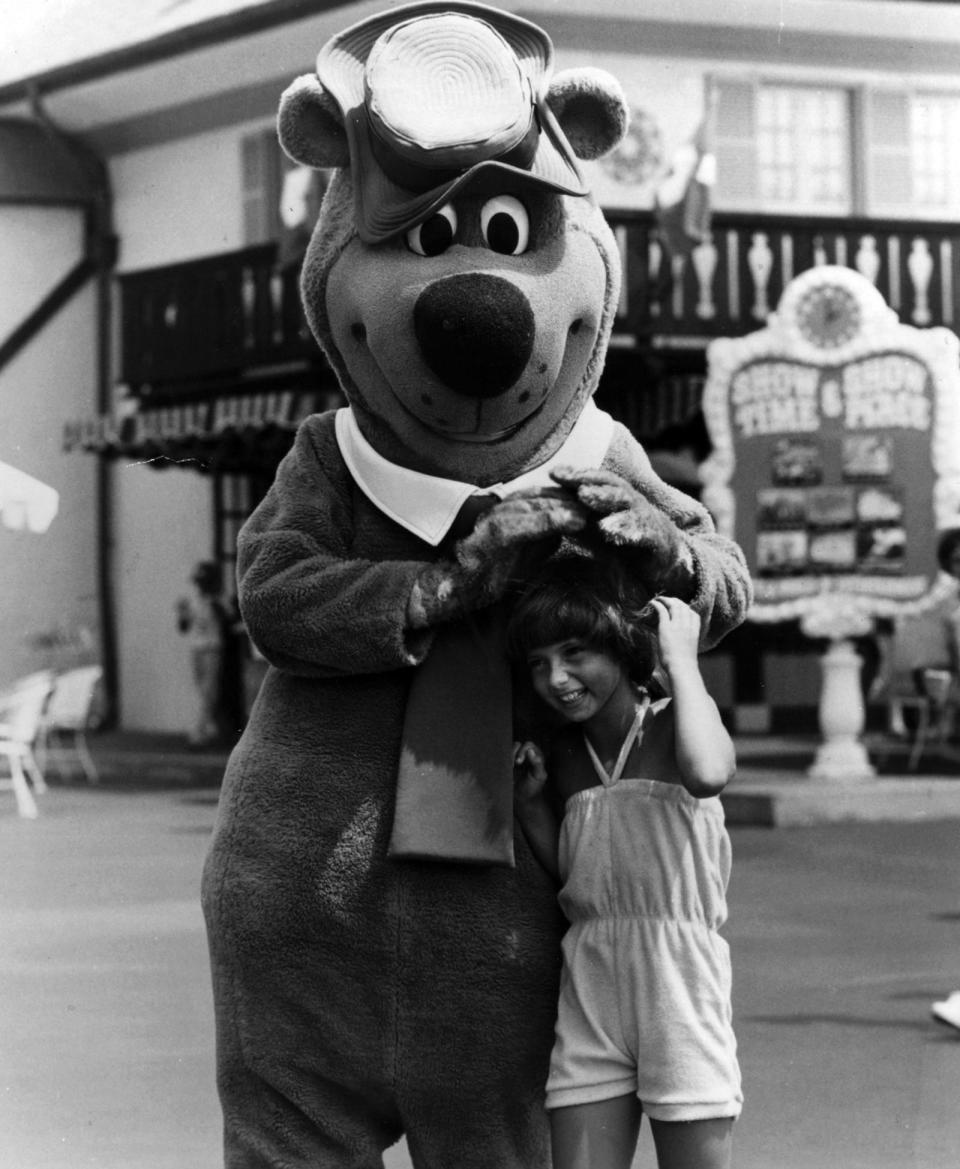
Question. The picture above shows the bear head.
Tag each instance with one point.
(461, 280)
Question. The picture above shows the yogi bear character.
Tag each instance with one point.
(385, 950)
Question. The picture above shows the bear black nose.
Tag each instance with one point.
(475, 333)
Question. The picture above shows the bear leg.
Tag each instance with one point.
(303, 1126)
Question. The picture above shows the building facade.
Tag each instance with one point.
(160, 394)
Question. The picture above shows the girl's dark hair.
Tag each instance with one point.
(949, 542)
(590, 600)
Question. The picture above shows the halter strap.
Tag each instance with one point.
(633, 736)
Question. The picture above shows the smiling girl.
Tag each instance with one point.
(623, 809)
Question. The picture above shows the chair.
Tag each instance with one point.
(915, 676)
(68, 714)
(21, 712)
(935, 712)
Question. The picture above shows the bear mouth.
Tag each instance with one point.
(475, 436)
(480, 439)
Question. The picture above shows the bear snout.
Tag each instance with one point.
(475, 332)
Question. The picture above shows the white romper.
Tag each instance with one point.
(645, 991)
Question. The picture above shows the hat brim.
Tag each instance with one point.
(384, 209)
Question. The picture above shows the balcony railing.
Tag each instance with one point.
(225, 316)
(730, 285)
(212, 318)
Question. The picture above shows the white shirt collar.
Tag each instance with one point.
(426, 504)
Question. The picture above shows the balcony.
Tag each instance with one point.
(729, 286)
(194, 328)
(211, 323)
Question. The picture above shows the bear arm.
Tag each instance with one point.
(310, 606)
(711, 574)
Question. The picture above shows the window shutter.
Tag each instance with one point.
(735, 144)
(889, 189)
(260, 163)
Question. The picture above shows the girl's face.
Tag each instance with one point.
(575, 679)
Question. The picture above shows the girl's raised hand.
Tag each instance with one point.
(529, 771)
(678, 633)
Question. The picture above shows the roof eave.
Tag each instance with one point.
(204, 34)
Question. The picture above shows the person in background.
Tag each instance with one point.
(929, 640)
(622, 808)
(948, 557)
(204, 618)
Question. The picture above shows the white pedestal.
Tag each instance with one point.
(841, 757)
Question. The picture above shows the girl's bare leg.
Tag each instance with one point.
(693, 1144)
(596, 1136)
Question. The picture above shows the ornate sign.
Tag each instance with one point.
(836, 434)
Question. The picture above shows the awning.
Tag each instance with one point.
(226, 433)
(42, 167)
(26, 504)
(38, 166)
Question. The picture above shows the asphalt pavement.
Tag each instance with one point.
(842, 935)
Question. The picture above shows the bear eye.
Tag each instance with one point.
(435, 234)
(505, 225)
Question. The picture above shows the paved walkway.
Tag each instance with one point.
(842, 935)
(771, 787)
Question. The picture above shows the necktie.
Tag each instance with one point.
(464, 523)
(455, 778)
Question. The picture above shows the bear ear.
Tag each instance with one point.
(591, 109)
(310, 125)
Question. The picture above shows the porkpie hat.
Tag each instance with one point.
(436, 95)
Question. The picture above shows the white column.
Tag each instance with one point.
(841, 756)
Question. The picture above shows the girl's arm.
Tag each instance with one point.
(536, 816)
(704, 750)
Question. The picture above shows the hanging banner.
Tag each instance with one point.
(836, 435)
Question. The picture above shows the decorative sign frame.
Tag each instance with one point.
(836, 436)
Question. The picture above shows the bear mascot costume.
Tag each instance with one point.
(385, 951)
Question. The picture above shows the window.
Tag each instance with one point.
(829, 150)
(913, 154)
(935, 135)
(803, 148)
(261, 178)
(783, 148)
(281, 200)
